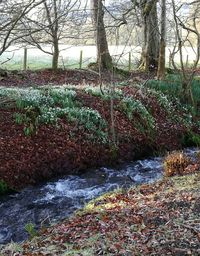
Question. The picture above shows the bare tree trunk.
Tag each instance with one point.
(55, 55)
(104, 59)
(161, 61)
(53, 24)
(150, 52)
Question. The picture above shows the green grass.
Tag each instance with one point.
(34, 64)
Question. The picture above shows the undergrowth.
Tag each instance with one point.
(168, 95)
(190, 139)
(173, 108)
(3, 187)
(48, 105)
(176, 163)
(134, 108)
(172, 86)
(30, 229)
(106, 93)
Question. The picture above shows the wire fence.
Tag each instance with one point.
(125, 57)
(70, 57)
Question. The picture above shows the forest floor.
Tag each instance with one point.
(162, 218)
(156, 219)
(68, 76)
(64, 148)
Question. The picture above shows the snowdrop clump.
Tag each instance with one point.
(62, 92)
(107, 93)
(48, 105)
(162, 100)
(130, 106)
(172, 106)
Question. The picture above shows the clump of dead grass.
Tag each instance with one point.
(177, 163)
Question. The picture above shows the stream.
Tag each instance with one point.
(53, 201)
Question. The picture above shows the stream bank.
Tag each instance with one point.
(160, 218)
(52, 201)
(80, 135)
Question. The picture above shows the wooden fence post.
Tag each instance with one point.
(25, 59)
(81, 59)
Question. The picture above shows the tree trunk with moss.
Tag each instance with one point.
(150, 51)
(104, 59)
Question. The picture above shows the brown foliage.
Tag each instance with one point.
(176, 163)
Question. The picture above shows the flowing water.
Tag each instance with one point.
(53, 201)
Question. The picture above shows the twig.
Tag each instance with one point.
(198, 220)
(196, 231)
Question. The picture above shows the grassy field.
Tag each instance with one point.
(70, 56)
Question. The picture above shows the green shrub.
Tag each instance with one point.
(49, 115)
(19, 118)
(86, 118)
(39, 97)
(174, 109)
(33, 98)
(162, 100)
(30, 119)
